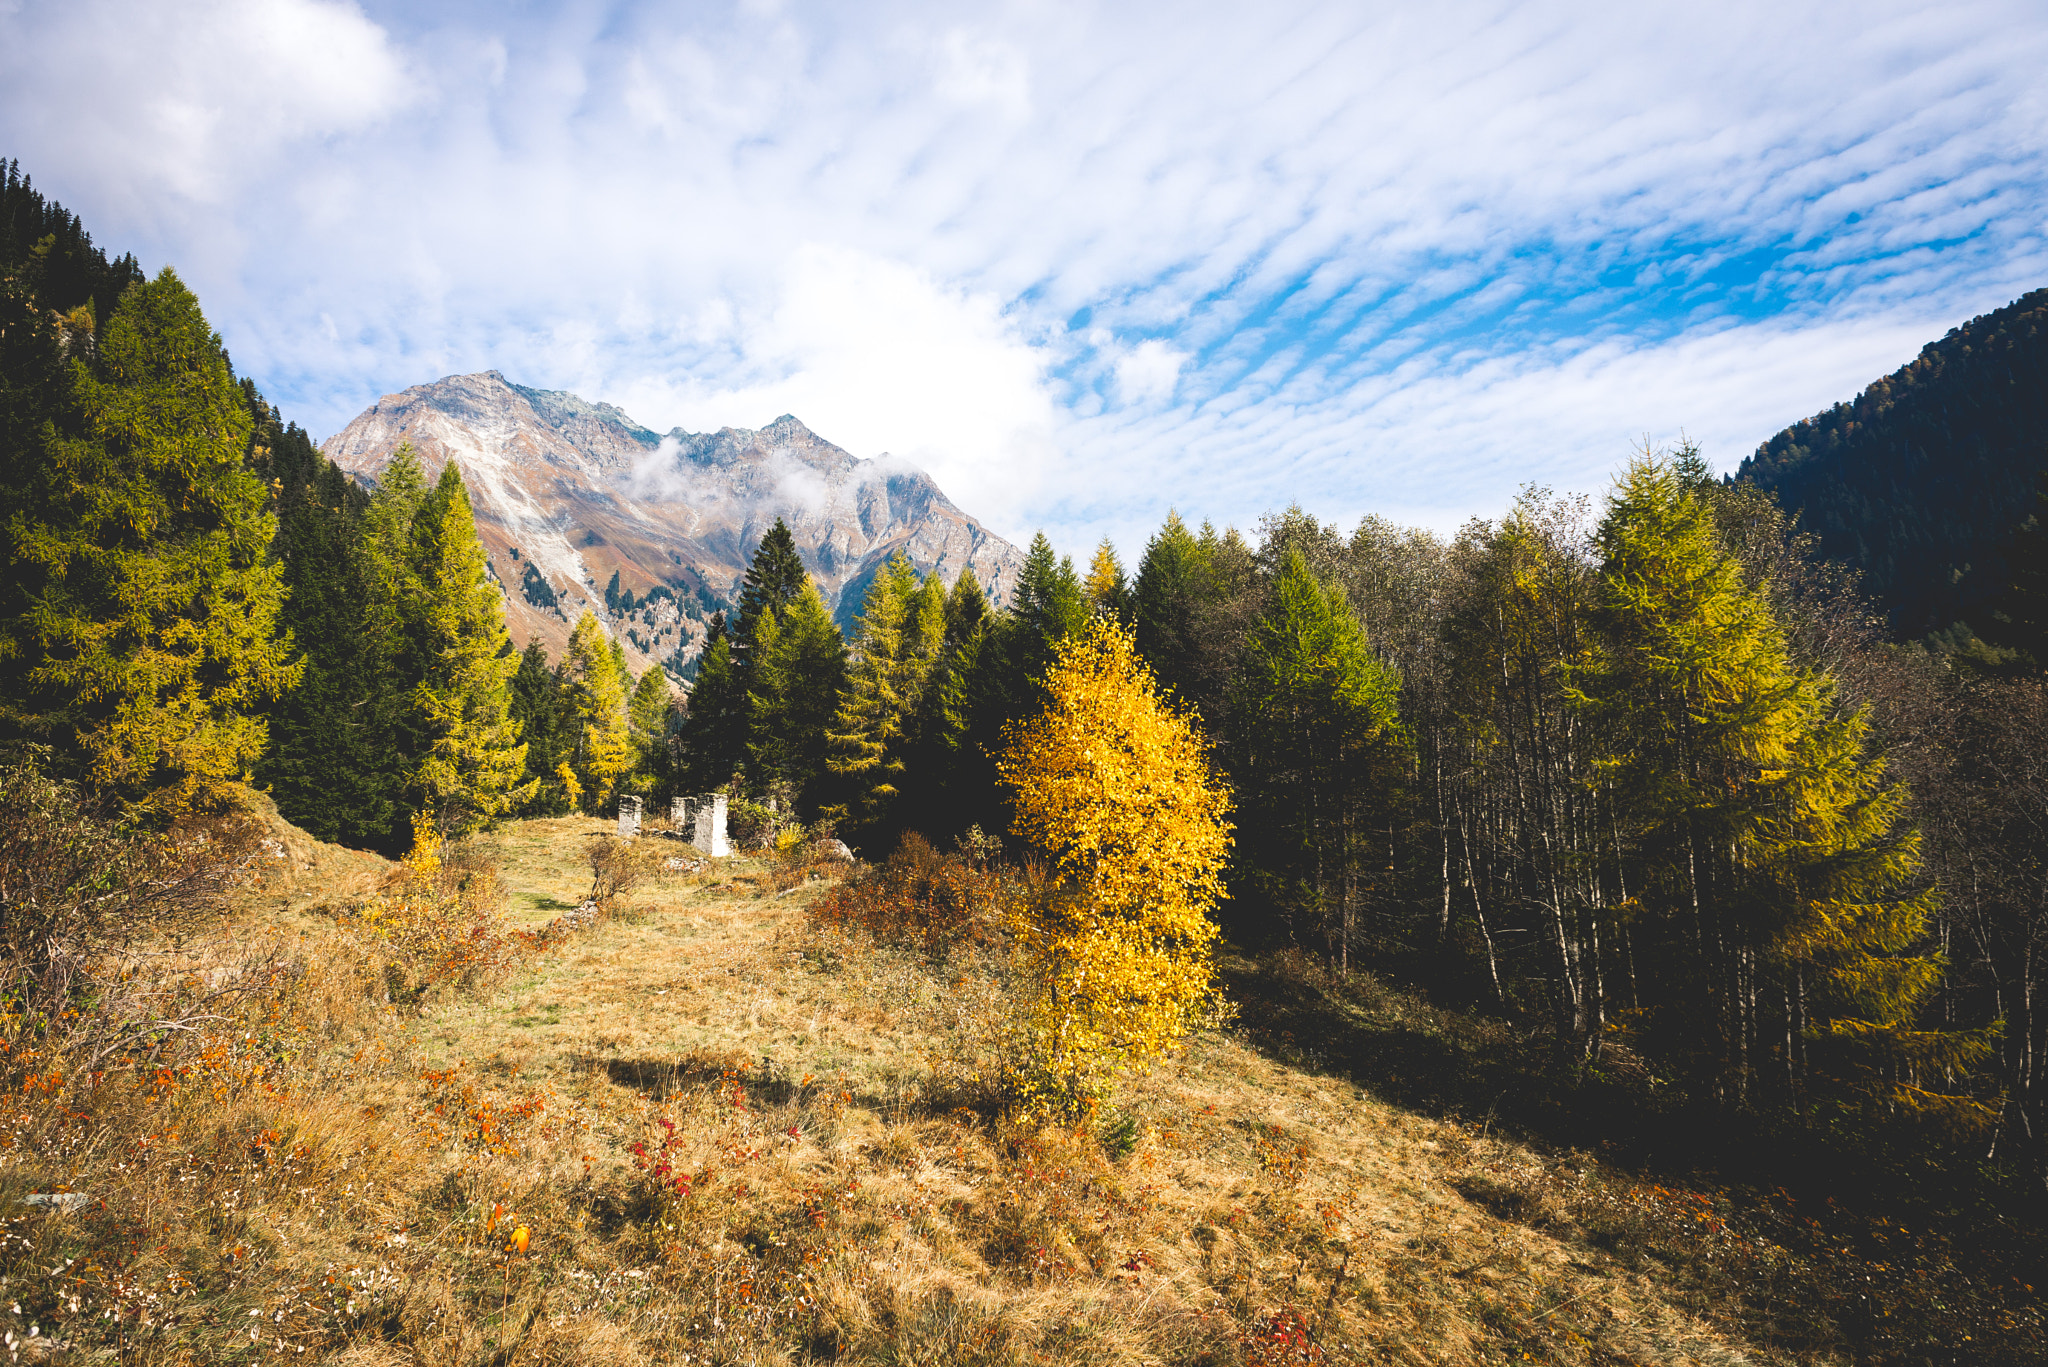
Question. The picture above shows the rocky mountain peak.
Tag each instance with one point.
(582, 507)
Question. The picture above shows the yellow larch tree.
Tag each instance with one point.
(1113, 788)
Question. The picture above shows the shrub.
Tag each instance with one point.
(917, 896)
(442, 926)
(91, 914)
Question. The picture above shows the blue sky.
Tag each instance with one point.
(1082, 262)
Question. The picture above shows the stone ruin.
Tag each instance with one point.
(701, 821)
(629, 817)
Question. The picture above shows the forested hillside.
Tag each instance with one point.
(1921, 480)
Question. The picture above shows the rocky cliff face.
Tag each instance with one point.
(569, 494)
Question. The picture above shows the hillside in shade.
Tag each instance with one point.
(581, 507)
(1920, 480)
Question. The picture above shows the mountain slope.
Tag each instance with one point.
(1919, 481)
(581, 507)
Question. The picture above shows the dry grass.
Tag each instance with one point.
(736, 1136)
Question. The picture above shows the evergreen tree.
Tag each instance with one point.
(141, 637)
(1001, 682)
(2017, 619)
(775, 579)
(1316, 734)
(470, 767)
(793, 684)
(540, 703)
(1166, 604)
(967, 608)
(898, 635)
(330, 762)
(647, 712)
(713, 736)
(604, 750)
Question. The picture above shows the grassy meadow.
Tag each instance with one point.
(712, 1127)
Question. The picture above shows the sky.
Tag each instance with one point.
(1084, 263)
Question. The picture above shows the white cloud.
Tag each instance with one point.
(1082, 261)
(193, 100)
(1147, 373)
(877, 358)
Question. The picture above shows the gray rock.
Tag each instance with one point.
(63, 1201)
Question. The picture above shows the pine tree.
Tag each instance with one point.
(1316, 734)
(142, 635)
(604, 750)
(793, 684)
(1112, 787)
(470, 768)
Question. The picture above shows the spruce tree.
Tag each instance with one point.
(647, 713)
(775, 579)
(471, 765)
(1173, 581)
(329, 765)
(967, 607)
(540, 704)
(141, 638)
(713, 736)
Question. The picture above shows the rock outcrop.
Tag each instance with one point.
(570, 493)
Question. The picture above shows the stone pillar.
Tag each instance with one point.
(629, 817)
(679, 814)
(711, 838)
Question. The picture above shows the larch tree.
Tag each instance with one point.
(142, 638)
(896, 639)
(472, 765)
(604, 748)
(1316, 734)
(1108, 592)
(1769, 859)
(1111, 785)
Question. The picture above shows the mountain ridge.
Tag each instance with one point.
(581, 507)
(1920, 480)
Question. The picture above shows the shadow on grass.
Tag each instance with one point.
(1957, 1289)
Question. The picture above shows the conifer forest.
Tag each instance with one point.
(1728, 793)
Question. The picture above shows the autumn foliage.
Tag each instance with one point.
(1112, 787)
